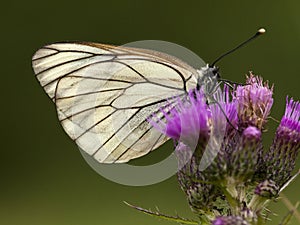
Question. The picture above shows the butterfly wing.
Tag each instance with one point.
(104, 95)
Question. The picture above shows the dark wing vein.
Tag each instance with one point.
(91, 93)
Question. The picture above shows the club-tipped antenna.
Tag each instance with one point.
(258, 33)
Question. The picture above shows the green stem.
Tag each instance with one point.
(176, 219)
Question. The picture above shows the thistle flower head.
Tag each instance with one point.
(254, 101)
(288, 131)
(188, 121)
(224, 110)
(290, 122)
(280, 160)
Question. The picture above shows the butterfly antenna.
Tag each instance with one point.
(258, 33)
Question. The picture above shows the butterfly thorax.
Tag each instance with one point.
(208, 79)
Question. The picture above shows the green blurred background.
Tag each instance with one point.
(44, 179)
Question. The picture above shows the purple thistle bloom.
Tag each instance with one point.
(188, 121)
(254, 102)
(291, 119)
(224, 108)
(281, 158)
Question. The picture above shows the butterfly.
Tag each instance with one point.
(104, 94)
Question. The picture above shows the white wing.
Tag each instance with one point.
(104, 95)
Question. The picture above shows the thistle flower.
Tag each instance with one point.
(254, 102)
(224, 113)
(188, 121)
(280, 159)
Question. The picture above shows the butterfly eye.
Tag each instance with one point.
(215, 71)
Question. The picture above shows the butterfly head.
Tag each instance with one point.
(208, 78)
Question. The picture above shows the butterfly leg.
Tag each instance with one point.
(222, 110)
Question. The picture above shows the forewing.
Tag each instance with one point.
(104, 95)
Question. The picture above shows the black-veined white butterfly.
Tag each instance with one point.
(104, 94)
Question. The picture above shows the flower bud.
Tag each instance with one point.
(245, 154)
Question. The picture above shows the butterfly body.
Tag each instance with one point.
(208, 80)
